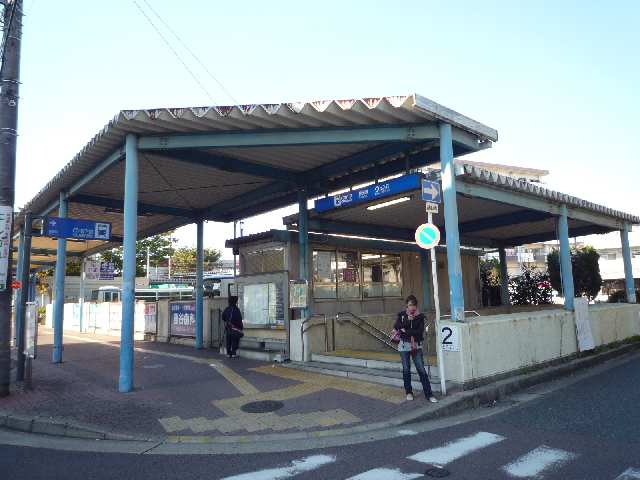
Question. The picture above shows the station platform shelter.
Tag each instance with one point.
(150, 171)
(364, 262)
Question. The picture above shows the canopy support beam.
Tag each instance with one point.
(451, 223)
(60, 272)
(628, 266)
(129, 264)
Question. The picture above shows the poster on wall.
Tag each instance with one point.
(349, 275)
(6, 219)
(324, 264)
(182, 319)
(92, 270)
(151, 318)
(107, 270)
(298, 294)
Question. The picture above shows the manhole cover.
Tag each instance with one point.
(437, 472)
(262, 407)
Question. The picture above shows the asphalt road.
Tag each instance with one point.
(581, 428)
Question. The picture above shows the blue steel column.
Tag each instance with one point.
(58, 305)
(628, 268)
(303, 241)
(129, 263)
(199, 284)
(504, 277)
(451, 223)
(426, 279)
(566, 269)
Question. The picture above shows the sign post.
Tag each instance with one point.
(436, 303)
(427, 237)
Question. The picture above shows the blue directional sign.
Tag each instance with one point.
(78, 229)
(431, 191)
(427, 236)
(372, 192)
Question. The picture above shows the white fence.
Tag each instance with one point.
(101, 318)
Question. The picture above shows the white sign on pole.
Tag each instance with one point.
(92, 270)
(31, 330)
(583, 325)
(450, 335)
(6, 219)
(431, 207)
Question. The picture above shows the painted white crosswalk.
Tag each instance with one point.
(386, 474)
(297, 467)
(629, 474)
(457, 449)
(539, 463)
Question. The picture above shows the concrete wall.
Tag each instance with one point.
(504, 344)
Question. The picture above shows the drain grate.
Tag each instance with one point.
(264, 406)
(437, 472)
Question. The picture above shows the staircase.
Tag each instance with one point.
(374, 367)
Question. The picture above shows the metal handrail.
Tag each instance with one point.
(466, 311)
(381, 336)
(304, 330)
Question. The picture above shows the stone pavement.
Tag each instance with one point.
(182, 392)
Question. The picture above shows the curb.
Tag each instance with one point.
(448, 406)
(58, 428)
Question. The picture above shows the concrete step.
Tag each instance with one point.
(372, 375)
(362, 361)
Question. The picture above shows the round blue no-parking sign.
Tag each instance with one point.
(427, 236)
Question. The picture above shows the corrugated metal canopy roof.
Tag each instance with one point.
(493, 210)
(229, 162)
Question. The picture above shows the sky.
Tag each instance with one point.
(557, 79)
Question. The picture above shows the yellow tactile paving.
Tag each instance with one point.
(357, 387)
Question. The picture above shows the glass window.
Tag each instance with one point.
(324, 274)
(348, 275)
(392, 275)
(264, 260)
(371, 275)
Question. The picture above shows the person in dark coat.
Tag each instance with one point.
(410, 324)
(232, 318)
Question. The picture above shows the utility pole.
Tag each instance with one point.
(9, 86)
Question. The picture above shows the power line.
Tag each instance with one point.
(177, 55)
(196, 58)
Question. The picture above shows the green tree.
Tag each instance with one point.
(160, 247)
(585, 268)
(184, 259)
(532, 287)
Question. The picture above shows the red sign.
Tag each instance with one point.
(16, 284)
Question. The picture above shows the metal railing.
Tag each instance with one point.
(465, 312)
(368, 328)
(304, 330)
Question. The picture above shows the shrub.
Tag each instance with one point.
(531, 288)
(585, 268)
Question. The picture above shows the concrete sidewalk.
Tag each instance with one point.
(181, 391)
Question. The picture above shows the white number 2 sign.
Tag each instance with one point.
(450, 335)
